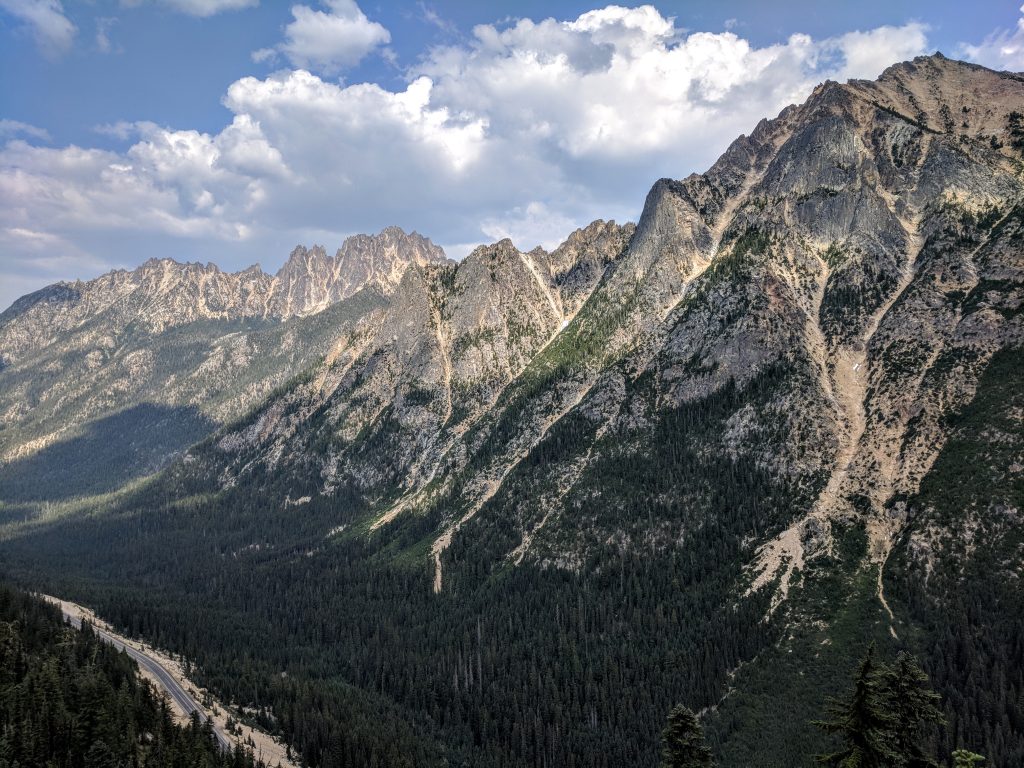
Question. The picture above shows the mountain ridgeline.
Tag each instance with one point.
(155, 359)
(509, 511)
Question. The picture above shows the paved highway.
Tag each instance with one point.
(151, 665)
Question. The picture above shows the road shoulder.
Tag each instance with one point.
(264, 746)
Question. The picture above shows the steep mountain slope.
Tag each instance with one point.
(169, 351)
(383, 413)
(957, 565)
(835, 243)
(536, 499)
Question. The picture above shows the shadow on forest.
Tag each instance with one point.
(106, 454)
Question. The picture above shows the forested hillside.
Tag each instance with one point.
(526, 504)
(69, 700)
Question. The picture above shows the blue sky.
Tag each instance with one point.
(230, 130)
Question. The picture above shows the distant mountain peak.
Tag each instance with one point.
(164, 292)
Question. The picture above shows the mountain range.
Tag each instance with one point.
(515, 507)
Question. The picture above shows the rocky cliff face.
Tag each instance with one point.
(310, 281)
(857, 248)
(782, 363)
(850, 248)
(158, 295)
(163, 293)
(387, 408)
(185, 336)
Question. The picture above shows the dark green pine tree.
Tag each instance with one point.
(865, 723)
(914, 705)
(683, 741)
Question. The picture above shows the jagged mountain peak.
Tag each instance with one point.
(504, 246)
(579, 263)
(947, 96)
(392, 244)
(746, 391)
(584, 239)
(379, 261)
(171, 265)
(253, 270)
(301, 252)
(394, 234)
(163, 293)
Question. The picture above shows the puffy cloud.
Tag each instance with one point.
(860, 52)
(618, 82)
(53, 31)
(527, 130)
(1003, 49)
(181, 183)
(356, 118)
(328, 41)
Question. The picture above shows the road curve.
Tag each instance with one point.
(165, 678)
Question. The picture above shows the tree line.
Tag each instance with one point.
(70, 700)
(882, 723)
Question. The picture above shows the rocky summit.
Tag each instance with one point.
(840, 243)
(709, 457)
(169, 350)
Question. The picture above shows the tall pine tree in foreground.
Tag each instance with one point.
(914, 705)
(882, 724)
(865, 723)
(683, 741)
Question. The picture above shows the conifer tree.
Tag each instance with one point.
(865, 723)
(683, 741)
(914, 704)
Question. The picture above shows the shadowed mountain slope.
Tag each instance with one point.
(530, 501)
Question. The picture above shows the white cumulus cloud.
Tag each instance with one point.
(527, 130)
(328, 41)
(618, 82)
(1003, 49)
